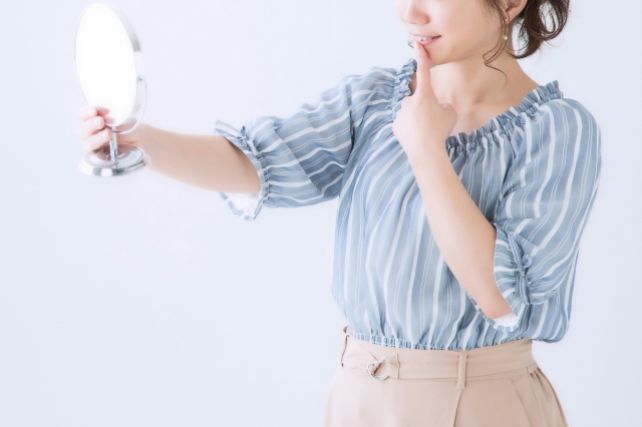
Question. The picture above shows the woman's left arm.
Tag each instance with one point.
(464, 236)
(528, 250)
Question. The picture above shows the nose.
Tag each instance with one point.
(414, 15)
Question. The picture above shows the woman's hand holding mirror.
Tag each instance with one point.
(96, 134)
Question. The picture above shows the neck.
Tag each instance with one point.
(469, 84)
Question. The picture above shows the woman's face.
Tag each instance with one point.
(468, 28)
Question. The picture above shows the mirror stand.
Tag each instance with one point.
(112, 160)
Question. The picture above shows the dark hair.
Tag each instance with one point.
(533, 29)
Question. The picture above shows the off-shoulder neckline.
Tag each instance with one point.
(532, 100)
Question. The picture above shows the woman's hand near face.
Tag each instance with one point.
(422, 120)
(95, 133)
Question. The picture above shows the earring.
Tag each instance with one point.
(505, 36)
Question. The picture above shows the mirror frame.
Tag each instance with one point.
(135, 116)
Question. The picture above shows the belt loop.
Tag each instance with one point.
(345, 343)
(397, 364)
(461, 374)
(372, 367)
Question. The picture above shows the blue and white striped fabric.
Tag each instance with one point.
(533, 171)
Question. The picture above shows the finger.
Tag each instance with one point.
(92, 125)
(109, 120)
(98, 139)
(424, 63)
(91, 110)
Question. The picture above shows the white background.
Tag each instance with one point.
(142, 301)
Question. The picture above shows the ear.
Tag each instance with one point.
(512, 8)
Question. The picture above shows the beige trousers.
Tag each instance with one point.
(493, 386)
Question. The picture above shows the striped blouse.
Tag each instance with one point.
(532, 170)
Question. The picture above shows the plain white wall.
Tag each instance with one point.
(141, 301)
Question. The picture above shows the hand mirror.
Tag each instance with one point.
(108, 63)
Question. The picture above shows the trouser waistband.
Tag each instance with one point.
(382, 362)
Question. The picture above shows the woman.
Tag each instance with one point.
(464, 190)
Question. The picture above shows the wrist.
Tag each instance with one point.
(427, 153)
(146, 134)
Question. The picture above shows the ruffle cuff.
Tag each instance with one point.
(245, 205)
(510, 264)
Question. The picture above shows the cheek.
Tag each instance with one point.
(466, 34)
(450, 26)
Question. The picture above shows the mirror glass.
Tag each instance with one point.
(105, 63)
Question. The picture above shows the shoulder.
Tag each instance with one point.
(559, 132)
(371, 78)
(564, 133)
(567, 117)
(561, 125)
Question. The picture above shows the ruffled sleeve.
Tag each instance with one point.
(544, 206)
(300, 159)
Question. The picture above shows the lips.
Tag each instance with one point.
(424, 35)
(421, 38)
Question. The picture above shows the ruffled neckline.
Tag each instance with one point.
(530, 101)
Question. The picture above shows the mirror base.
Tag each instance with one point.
(100, 163)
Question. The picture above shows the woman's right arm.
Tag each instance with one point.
(206, 161)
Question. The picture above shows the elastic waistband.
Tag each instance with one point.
(382, 362)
